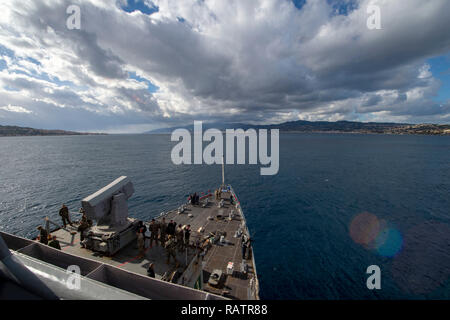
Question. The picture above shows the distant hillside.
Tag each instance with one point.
(22, 131)
(429, 129)
(332, 127)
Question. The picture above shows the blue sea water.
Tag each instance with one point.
(340, 203)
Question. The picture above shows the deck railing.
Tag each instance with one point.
(254, 282)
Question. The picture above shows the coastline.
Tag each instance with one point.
(338, 132)
(52, 135)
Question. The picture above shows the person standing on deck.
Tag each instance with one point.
(187, 235)
(171, 228)
(195, 198)
(43, 235)
(245, 244)
(64, 213)
(140, 241)
(219, 195)
(249, 247)
(84, 224)
(154, 228)
(171, 249)
(143, 229)
(162, 231)
(54, 243)
(180, 237)
(151, 270)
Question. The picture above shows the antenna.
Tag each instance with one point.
(223, 172)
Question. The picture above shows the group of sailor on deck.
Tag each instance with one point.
(169, 235)
(46, 238)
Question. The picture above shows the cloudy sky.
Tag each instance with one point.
(139, 65)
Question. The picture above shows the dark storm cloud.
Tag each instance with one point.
(240, 61)
(85, 44)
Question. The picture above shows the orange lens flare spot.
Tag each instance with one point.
(364, 228)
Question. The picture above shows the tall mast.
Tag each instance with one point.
(223, 172)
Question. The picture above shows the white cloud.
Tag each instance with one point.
(18, 109)
(246, 61)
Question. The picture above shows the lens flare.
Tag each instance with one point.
(388, 242)
(373, 233)
(364, 228)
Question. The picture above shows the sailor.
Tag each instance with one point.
(249, 248)
(43, 235)
(83, 213)
(140, 241)
(64, 213)
(163, 231)
(195, 198)
(142, 225)
(171, 249)
(154, 230)
(244, 241)
(171, 228)
(187, 234)
(54, 243)
(84, 224)
(180, 237)
(143, 229)
(151, 270)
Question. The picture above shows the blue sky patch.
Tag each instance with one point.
(440, 67)
(139, 5)
(4, 51)
(343, 7)
(299, 3)
(340, 7)
(33, 61)
(150, 86)
(44, 76)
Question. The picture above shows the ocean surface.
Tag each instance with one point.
(339, 204)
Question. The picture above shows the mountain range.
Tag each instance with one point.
(291, 126)
(24, 131)
(331, 127)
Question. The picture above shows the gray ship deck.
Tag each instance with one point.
(235, 286)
